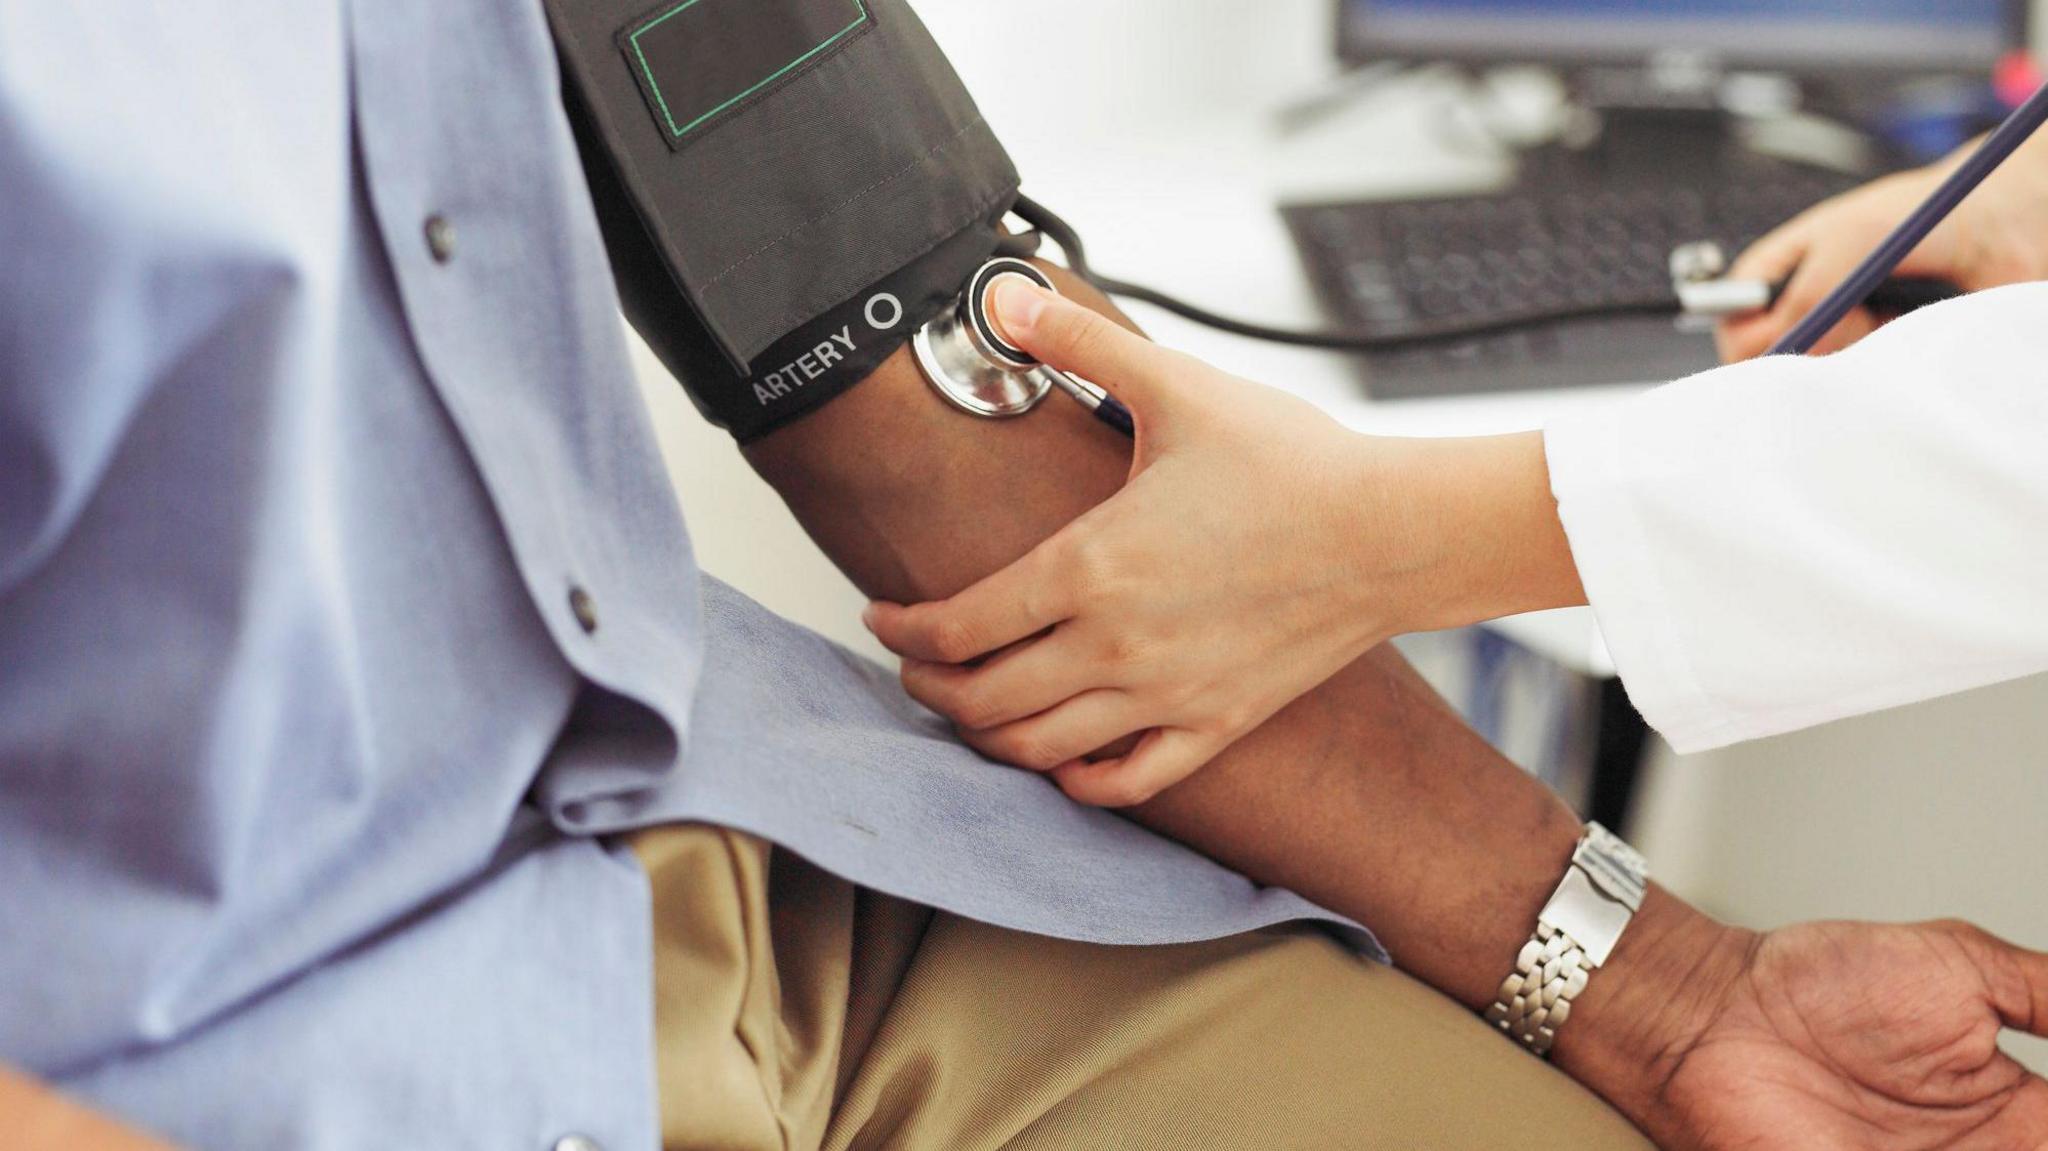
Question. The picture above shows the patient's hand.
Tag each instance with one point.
(1846, 1035)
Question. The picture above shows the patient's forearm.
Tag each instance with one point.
(1368, 795)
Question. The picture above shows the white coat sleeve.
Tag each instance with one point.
(1788, 541)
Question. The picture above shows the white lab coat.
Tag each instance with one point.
(1789, 541)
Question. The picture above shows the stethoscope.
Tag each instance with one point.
(965, 358)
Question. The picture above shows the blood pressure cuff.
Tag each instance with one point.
(788, 188)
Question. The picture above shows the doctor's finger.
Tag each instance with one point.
(1788, 255)
(1017, 602)
(1076, 339)
(1164, 757)
(1779, 252)
(1817, 277)
(1752, 338)
(1020, 682)
(1747, 336)
(1062, 734)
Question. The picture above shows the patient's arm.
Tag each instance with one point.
(1369, 795)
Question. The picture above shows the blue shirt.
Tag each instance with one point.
(345, 608)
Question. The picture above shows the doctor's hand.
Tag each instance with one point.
(1998, 236)
(1256, 549)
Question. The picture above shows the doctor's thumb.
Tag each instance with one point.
(1082, 342)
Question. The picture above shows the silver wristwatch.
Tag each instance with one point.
(1575, 933)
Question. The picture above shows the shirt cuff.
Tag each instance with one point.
(1591, 480)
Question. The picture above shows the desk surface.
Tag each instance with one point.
(1190, 208)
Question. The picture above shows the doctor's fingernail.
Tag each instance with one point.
(1018, 304)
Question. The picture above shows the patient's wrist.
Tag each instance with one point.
(1641, 1014)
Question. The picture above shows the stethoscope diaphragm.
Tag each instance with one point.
(964, 356)
(966, 359)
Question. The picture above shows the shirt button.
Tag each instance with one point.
(577, 1143)
(440, 238)
(585, 610)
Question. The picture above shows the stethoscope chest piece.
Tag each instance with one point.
(966, 360)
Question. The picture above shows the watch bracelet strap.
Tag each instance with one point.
(1537, 998)
(1602, 888)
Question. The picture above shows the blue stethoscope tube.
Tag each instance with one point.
(1879, 265)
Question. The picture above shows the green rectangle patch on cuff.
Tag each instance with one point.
(699, 60)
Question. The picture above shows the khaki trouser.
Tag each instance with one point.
(797, 1011)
